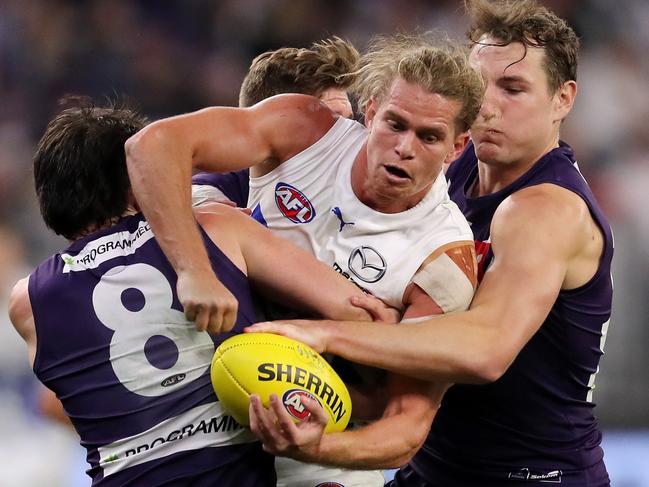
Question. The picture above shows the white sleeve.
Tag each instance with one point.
(204, 193)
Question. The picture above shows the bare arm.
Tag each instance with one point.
(20, 314)
(391, 441)
(282, 270)
(160, 159)
(537, 234)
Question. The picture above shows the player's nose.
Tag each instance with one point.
(405, 145)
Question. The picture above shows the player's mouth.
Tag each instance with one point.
(486, 134)
(395, 173)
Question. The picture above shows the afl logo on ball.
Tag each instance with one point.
(330, 484)
(292, 400)
(293, 204)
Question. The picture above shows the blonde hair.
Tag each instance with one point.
(438, 66)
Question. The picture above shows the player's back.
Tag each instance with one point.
(131, 372)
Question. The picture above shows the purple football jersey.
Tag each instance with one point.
(234, 185)
(132, 373)
(536, 422)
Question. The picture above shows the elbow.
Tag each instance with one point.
(410, 447)
(138, 145)
(488, 368)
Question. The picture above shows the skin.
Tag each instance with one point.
(416, 141)
(404, 153)
(313, 287)
(519, 121)
(338, 101)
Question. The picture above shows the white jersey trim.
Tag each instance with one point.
(201, 427)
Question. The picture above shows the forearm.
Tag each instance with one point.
(386, 443)
(160, 174)
(288, 273)
(445, 348)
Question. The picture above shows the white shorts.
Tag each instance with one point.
(291, 473)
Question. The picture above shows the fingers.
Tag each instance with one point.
(284, 420)
(318, 414)
(376, 308)
(264, 327)
(202, 319)
(191, 311)
(207, 302)
(264, 424)
(230, 316)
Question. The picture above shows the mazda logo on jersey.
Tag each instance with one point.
(367, 264)
(293, 204)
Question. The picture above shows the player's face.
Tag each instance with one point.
(519, 119)
(412, 134)
(338, 101)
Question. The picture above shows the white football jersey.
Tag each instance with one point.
(309, 200)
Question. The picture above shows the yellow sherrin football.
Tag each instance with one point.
(264, 363)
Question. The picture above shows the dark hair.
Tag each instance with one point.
(308, 71)
(80, 167)
(533, 25)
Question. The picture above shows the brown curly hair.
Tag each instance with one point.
(531, 24)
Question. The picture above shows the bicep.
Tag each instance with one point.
(269, 132)
(531, 251)
(20, 314)
(444, 283)
(288, 271)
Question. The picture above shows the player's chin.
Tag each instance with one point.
(487, 152)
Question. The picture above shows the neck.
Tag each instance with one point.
(90, 229)
(493, 177)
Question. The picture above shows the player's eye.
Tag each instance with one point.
(394, 125)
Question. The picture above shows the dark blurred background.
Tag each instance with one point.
(176, 56)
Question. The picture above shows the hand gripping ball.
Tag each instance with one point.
(264, 363)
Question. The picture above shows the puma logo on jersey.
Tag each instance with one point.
(293, 204)
(339, 214)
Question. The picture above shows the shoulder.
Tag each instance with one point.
(20, 310)
(296, 107)
(542, 213)
(543, 202)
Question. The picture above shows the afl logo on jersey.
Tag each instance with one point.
(292, 400)
(293, 204)
(330, 484)
(367, 264)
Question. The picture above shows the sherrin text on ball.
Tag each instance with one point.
(263, 364)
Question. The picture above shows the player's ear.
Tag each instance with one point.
(564, 99)
(459, 144)
(370, 112)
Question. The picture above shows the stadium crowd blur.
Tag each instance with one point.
(176, 56)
